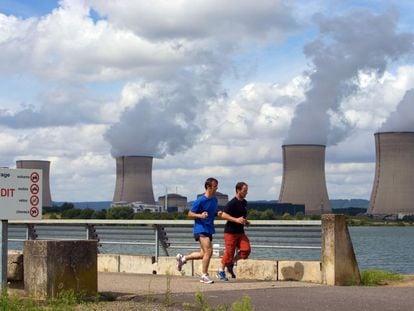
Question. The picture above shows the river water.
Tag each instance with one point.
(384, 248)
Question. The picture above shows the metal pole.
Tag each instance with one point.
(157, 244)
(3, 261)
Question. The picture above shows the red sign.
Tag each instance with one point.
(34, 189)
(34, 177)
(34, 211)
(34, 200)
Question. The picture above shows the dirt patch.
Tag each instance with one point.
(407, 281)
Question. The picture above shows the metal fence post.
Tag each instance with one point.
(3, 261)
(157, 243)
(31, 232)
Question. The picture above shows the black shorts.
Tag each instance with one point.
(203, 235)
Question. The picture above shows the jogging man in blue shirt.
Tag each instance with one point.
(204, 210)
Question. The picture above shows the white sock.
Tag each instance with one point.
(183, 259)
(220, 269)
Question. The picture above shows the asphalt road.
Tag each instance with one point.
(263, 295)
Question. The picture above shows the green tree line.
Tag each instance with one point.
(69, 211)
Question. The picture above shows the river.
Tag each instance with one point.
(384, 248)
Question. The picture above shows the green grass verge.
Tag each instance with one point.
(379, 277)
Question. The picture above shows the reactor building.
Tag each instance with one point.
(134, 180)
(393, 188)
(173, 202)
(45, 167)
(303, 180)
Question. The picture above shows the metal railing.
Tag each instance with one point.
(167, 234)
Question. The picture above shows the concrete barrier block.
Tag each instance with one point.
(256, 269)
(339, 265)
(212, 268)
(14, 266)
(304, 271)
(51, 267)
(136, 264)
(245, 269)
(108, 263)
(167, 265)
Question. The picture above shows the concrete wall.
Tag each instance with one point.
(54, 266)
(15, 266)
(255, 269)
(339, 265)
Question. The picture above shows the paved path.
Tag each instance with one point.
(264, 295)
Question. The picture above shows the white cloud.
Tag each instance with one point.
(232, 21)
(160, 67)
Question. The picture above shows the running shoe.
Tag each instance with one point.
(180, 262)
(230, 270)
(206, 279)
(222, 276)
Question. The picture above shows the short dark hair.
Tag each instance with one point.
(240, 185)
(209, 182)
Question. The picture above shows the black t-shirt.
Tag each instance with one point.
(236, 209)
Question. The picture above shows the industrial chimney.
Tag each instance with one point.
(45, 167)
(393, 189)
(134, 180)
(304, 178)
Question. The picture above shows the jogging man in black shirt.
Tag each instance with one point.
(234, 237)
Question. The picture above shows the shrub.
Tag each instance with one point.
(378, 277)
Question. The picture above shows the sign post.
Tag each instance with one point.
(20, 199)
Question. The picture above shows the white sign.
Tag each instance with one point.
(20, 194)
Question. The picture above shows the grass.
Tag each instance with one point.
(65, 301)
(70, 300)
(201, 304)
(379, 277)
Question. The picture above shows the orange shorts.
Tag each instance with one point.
(233, 242)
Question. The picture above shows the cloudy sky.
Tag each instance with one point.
(207, 87)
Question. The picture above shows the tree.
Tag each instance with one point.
(99, 214)
(253, 214)
(86, 213)
(65, 206)
(300, 216)
(120, 212)
(71, 213)
(53, 216)
(268, 214)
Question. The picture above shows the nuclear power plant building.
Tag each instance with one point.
(173, 201)
(134, 180)
(222, 199)
(393, 188)
(45, 167)
(303, 180)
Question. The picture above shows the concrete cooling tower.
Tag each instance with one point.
(134, 180)
(393, 189)
(303, 179)
(45, 167)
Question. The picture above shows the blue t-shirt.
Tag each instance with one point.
(204, 204)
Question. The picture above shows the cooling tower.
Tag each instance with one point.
(45, 167)
(303, 179)
(393, 189)
(134, 180)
